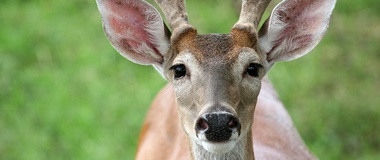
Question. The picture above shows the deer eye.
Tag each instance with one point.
(179, 71)
(253, 69)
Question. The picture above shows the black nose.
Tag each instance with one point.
(217, 127)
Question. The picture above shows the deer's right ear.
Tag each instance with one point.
(136, 30)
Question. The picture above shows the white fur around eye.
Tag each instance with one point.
(246, 57)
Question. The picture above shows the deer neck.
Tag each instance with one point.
(243, 150)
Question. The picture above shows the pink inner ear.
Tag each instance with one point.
(134, 28)
(128, 25)
(295, 27)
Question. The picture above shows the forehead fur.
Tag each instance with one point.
(215, 47)
(211, 46)
(221, 48)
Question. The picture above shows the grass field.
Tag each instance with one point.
(66, 94)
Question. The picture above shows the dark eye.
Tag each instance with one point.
(253, 69)
(179, 71)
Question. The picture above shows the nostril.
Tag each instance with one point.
(201, 124)
(233, 123)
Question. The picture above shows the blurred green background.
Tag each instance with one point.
(65, 93)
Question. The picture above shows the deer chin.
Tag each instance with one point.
(218, 147)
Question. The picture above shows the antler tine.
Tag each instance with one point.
(252, 11)
(175, 12)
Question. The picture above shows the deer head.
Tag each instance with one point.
(216, 77)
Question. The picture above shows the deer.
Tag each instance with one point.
(218, 103)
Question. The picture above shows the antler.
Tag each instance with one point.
(244, 31)
(175, 13)
(252, 11)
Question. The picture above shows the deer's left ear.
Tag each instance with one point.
(294, 28)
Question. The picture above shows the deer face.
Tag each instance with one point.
(216, 83)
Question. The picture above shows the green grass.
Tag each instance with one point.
(66, 94)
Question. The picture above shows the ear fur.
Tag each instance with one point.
(294, 28)
(136, 30)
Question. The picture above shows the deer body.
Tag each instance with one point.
(218, 103)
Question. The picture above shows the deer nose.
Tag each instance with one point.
(217, 127)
